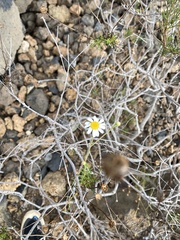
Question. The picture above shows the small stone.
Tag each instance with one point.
(10, 182)
(10, 110)
(32, 55)
(6, 148)
(51, 69)
(52, 2)
(18, 122)
(48, 45)
(88, 20)
(60, 50)
(60, 12)
(23, 57)
(24, 47)
(46, 53)
(8, 123)
(41, 33)
(56, 100)
(31, 40)
(92, 5)
(61, 79)
(54, 183)
(22, 93)
(52, 107)
(5, 96)
(38, 101)
(70, 94)
(29, 79)
(2, 128)
(55, 163)
(76, 9)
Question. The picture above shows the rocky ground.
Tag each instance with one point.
(77, 59)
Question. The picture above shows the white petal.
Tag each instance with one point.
(89, 130)
(89, 119)
(103, 126)
(95, 133)
(95, 119)
(101, 130)
(101, 120)
(87, 124)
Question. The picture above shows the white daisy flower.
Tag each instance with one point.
(95, 125)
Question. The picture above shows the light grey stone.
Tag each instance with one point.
(22, 5)
(88, 20)
(11, 33)
(5, 97)
(60, 12)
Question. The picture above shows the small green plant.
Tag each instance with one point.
(4, 234)
(86, 176)
(109, 41)
(170, 27)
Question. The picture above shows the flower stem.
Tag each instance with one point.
(89, 148)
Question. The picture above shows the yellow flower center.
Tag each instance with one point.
(94, 125)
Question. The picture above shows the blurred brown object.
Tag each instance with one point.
(115, 166)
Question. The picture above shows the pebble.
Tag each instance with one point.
(8, 123)
(23, 57)
(60, 12)
(55, 163)
(60, 50)
(52, 2)
(71, 94)
(98, 27)
(24, 47)
(38, 101)
(18, 123)
(2, 128)
(92, 5)
(22, 93)
(41, 129)
(41, 33)
(5, 97)
(10, 182)
(76, 9)
(32, 55)
(54, 183)
(48, 45)
(88, 20)
(61, 79)
(55, 99)
(7, 147)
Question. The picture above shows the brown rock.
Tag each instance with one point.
(59, 12)
(29, 79)
(10, 182)
(76, 9)
(70, 94)
(31, 40)
(22, 93)
(23, 57)
(2, 128)
(54, 183)
(24, 47)
(48, 45)
(8, 123)
(32, 54)
(60, 50)
(18, 122)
